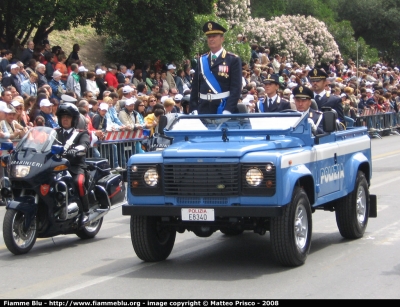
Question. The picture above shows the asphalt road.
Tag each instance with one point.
(220, 267)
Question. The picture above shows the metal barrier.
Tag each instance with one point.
(379, 124)
(117, 147)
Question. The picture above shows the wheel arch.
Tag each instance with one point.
(358, 162)
(301, 176)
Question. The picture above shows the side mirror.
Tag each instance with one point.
(7, 146)
(162, 123)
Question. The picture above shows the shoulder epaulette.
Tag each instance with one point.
(230, 53)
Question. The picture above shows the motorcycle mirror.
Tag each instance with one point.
(7, 146)
(57, 149)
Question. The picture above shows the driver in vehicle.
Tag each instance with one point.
(78, 142)
(302, 99)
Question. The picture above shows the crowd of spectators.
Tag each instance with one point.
(36, 79)
(366, 89)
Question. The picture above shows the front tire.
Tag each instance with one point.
(291, 233)
(150, 239)
(352, 211)
(16, 239)
(91, 230)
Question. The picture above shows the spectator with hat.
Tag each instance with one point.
(178, 104)
(82, 70)
(170, 77)
(46, 112)
(318, 79)
(12, 79)
(101, 83)
(15, 130)
(127, 93)
(273, 102)
(127, 115)
(57, 86)
(217, 82)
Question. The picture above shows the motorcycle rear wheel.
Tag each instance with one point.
(16, 239)
(91, 230)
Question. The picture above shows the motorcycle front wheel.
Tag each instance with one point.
(17, 240)
(90, 231)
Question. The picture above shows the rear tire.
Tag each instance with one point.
(291, 233)
(91, 230)
(352, 211)
(150, 239)
(16, 239)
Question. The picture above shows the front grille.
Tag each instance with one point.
(210, 180)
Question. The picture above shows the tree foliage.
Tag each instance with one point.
(30, 18)
(334, 13)
(144, 30)
(378, 22)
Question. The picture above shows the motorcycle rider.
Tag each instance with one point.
(68, 117)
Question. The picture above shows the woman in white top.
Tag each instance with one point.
(91, 84)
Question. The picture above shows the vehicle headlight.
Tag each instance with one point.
(254, 177)
(151, 177)
(21, 171)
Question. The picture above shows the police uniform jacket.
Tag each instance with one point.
(334, 102)
(227, 69)
(278, 105)
(82, 138)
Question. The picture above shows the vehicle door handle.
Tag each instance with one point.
(335, 158)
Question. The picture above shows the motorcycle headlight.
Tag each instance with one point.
(254, 177)
(21, 171)
(151, 177)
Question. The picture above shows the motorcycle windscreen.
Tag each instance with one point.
(39, 139)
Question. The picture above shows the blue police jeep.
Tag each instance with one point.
(249, 172)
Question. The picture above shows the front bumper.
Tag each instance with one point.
(231, 211)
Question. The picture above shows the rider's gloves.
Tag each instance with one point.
(71, 152)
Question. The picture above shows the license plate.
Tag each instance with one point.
(198, 214)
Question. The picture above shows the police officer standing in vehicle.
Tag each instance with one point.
(217, 81)
(318, 79)
(272, 102)
(76, 143)
(302, 99)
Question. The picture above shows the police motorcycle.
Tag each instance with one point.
(42, 199)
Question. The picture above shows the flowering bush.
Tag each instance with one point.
(234, 11)
(302, 39)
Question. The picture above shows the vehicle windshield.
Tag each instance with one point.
(39, 139)
(258, 121)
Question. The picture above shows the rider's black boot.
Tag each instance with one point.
(85, 209)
